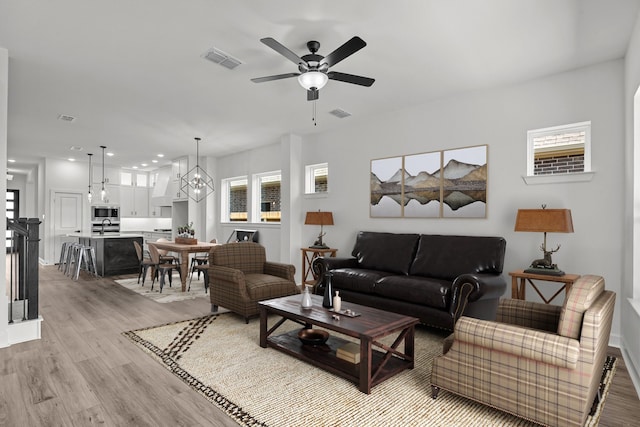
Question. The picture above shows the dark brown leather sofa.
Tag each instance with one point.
(435, 278)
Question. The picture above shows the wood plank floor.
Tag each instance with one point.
(84, 372)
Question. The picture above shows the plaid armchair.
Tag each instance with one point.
(240, 276)
(539, 362)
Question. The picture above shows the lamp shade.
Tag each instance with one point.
(313, 79)
(319, 218)
(544, 220)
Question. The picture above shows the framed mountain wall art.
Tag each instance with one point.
(439, 184)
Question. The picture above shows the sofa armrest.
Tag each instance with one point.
(522, 342)
(225, 277)
(529, 314)
(473, 287)
(321, 265)
(286, 271)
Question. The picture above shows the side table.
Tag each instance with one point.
(519, 281)
(308, 255)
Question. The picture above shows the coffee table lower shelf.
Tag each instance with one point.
(324, 356)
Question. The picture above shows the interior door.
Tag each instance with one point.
(67, 218)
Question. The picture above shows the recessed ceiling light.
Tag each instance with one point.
(11, 160)
(75, 148)
(154, 161)
(110, 154)
(144, 165)
(71, 159)
(134, 167)
(160, 155)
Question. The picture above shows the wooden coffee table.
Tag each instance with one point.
(378, 361)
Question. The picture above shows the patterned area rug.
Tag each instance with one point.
(219, 356)
(169, 293)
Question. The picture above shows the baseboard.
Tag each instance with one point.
(634, 374)
(22, 331)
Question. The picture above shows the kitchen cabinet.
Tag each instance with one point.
(159, 211)
(179, 168)
(113, 194)
(111, 175)
(134, 202)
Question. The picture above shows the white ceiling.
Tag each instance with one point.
(132, 74)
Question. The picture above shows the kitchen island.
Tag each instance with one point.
(115, 253)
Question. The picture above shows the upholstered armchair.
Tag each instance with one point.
(240, 276)
(539, 362)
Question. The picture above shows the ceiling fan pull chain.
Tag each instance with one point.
(313, 119)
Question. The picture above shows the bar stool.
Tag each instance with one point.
(81, 256)
(72, 257)
(63, 256)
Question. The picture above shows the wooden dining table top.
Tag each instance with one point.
(180, 247)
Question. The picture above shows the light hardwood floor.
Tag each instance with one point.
(84, 372)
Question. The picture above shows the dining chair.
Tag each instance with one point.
(165, 256)
(162, 268)
(145, 262)
(200, 259)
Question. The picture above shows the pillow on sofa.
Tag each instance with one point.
(447, 257)
(582, 294)
(385, 251)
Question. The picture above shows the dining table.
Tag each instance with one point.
(183, 250)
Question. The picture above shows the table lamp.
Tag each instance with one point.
(545, 221)
(321, 219)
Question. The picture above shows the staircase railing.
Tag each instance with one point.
(22, 268)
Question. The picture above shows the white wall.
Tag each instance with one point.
(4, 84)
(631, 271)
(498, 117)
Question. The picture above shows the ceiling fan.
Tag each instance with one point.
(314, 69)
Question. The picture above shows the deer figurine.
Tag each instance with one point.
(546, 261)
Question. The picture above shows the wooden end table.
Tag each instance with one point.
(519, 281)
(378, 361)
(308, 255)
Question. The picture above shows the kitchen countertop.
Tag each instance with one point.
(105, 235)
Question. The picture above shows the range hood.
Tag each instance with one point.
(161, 194)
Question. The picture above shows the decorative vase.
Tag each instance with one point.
(337, 302)
(306, 298)
(327, 301)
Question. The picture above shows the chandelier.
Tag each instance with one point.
(197, 183)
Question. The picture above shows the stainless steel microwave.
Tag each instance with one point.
(99, 213)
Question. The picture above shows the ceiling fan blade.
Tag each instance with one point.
(350, 78)
(282, 50)
(312, 95)
(275, 77)
(347, 49)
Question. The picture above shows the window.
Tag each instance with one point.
(132, 178)
(559, 150)
(316, 178)
(234, 199)
(11, 212)
(266, 205)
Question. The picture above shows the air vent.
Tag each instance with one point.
(222, 58)
(66, 118)
(339, 113)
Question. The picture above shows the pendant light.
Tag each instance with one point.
(197, 183)
(103, 191)
(90, 194)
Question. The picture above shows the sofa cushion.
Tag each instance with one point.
(265, 286)
(447, 257)
(385, 251)
(417, 290)
(356, 279)
(582, 294)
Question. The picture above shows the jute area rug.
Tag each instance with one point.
(219, 356)
(169, 293)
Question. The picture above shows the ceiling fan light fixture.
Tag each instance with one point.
(313, 80)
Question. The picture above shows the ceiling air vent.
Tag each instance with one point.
(339, 113)
(222, 58)
(66, 118)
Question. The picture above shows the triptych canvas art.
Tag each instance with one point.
(440, 184)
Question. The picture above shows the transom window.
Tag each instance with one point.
(559, 150)
(317, 178)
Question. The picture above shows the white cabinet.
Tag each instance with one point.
(111, 175)
(112, 197)
(179, 168)
(134, 202)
